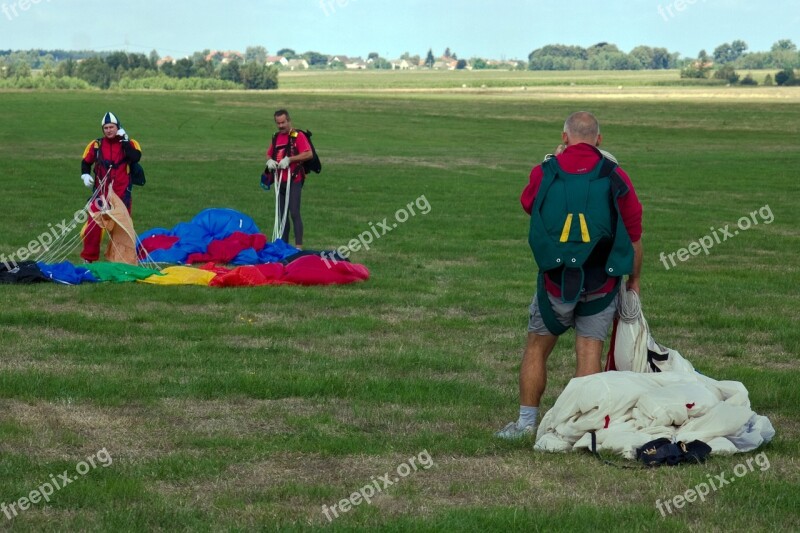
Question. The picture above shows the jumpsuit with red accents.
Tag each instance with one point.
(116, 155)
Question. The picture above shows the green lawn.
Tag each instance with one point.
(241, 409)
(491, 79)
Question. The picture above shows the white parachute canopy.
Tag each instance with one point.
(654, 393)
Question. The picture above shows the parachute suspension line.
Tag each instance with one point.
(147, 261)
(630, 306)
(63, 248)
(280, 221)
(104, 208)
(66, 243)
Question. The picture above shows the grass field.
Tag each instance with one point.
(434, 79)
(251, 409)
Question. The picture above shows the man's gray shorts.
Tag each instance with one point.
(593, 327)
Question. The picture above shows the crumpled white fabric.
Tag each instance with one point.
(632, 333)
(626, 409)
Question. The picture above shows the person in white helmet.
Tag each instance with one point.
(111, 156)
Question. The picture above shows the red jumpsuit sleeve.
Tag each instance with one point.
(630, 208)
(529, 193)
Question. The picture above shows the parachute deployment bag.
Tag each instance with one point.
(581, 217)
(137, 174)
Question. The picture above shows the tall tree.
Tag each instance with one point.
(68, 67)
(182, 68)
(256, 54)
(784, 55)
(154, 59)
(95, 71)
(557, 57)
(644, 55)
(231, 72)
(255, 76)
(784, 45)
(116, 60)
(728, 53)
(739, 47)
(315, 58)
(429, 61)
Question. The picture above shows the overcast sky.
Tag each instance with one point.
(498, 29)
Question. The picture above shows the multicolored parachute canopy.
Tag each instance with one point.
(215, 237)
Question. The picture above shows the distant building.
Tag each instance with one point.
(297, 64)
(445, 63)
(356, 64)
(510, 64)
(401, 64)
(350, 63)
(277, 60)
(217, 56)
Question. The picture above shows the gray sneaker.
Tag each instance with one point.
(513, 432)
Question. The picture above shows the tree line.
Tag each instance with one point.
(720, 65)
(218, 70)
(727, 57)
(135, 70)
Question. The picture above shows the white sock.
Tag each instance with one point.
(527, 416)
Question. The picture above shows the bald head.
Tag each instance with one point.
(582, 127)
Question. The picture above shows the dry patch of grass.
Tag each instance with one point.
(67, 431)
(70, 431)
(289, 485)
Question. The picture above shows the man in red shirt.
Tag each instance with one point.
(578, 156)
(285, 157)
(112, 156)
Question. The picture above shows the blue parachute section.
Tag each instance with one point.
(215, 224)
(66, 273)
